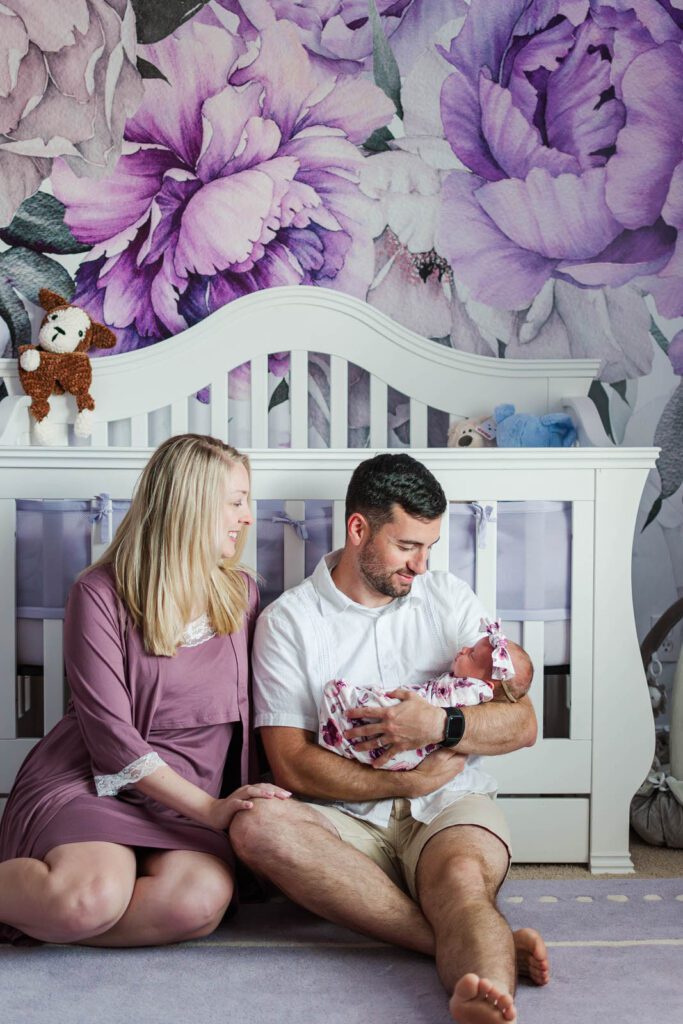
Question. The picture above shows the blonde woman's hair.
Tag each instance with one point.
(166, 552)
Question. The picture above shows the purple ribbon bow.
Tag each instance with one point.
(103, 514)
(298, 525)
(502, 662)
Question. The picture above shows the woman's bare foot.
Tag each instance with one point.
(479, 1001)
(532, 956)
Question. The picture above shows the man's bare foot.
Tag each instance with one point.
(532, 956)
(479, 1001)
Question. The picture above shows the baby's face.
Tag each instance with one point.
(474, 661)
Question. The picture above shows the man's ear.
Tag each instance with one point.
(50, 300)
(357, 529)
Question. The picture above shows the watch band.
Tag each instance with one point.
(455, 727)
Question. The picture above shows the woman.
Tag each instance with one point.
(115, 832)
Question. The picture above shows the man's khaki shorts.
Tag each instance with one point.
(396, 849)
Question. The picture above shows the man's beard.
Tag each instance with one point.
(375, 575)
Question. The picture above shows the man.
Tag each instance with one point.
(414, 858)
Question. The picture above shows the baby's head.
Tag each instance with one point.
(477, 663)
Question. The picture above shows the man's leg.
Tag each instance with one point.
(299, 849)
(458, 875)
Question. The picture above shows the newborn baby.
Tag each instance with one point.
(494, 669)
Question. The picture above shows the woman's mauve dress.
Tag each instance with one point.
(125, 704)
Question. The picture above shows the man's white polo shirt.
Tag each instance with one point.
(314, 633)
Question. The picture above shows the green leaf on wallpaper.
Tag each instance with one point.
(658, 336)
(15, 316)
(653, 513)
(384, 66)
(27, 272)
(620, 388)
(148, 70)
(598, 396)
(670, 462)
(280, 395)
(668, 437)
(379, 141)
(156, 19)
(39, 224)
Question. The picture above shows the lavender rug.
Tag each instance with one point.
(616, 948)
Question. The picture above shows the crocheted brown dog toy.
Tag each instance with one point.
(59, 362)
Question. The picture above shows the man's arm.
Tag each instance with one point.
(491, 728)
(300, 765)
(498, 728)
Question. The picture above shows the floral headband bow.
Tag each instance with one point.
(502, 662)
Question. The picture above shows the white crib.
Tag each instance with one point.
(567, 798)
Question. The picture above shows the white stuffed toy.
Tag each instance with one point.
(479, 432)
(59, 363)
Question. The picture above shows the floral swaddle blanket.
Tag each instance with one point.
(339, 697)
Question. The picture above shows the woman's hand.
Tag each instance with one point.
(223, 811)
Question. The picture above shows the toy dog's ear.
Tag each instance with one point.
(50, 300)
(98, 336)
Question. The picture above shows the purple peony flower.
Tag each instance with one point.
(68, 81)
(335, 30)
(244, 176)
(569, 118)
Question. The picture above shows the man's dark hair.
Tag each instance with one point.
(386, 480)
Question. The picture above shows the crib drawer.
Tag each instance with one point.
(551, 766)
(548, 830)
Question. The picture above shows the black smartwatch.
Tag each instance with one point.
(455, 727)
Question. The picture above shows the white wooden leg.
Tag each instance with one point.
(623, 727)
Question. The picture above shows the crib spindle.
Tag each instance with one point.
(439, 554)
(298, 399)
(339, 402)
(534, 644)
(338, 524)
(8, 615)
(581, 643)
(259, 402)
(418, 424)
(53, 672)
(294, 546)
(378, 413)
(249, 553)
(100, 434)
(139, 437)
(219, 408)
(179, 417)
(486, 584)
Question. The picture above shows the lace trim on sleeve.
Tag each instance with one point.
(109, 785)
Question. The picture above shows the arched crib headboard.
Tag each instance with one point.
(144, 396)
(568, 797)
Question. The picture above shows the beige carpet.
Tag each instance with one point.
(649, 861)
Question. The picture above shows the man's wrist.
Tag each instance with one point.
(455, 727)
(440, 732)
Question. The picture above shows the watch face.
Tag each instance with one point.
(455, 725)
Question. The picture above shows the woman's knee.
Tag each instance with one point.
(198, 903)
(87, 908)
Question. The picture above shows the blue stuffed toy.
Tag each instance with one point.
(522, 430)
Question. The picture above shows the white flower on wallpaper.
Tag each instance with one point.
(68, 83)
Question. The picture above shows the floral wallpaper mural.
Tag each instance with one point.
(503, 176)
